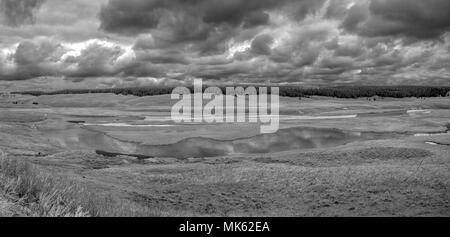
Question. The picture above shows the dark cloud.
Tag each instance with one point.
(337, 63)
(144, 69)
(19, 12)
(408, 18)
(134, 42)
(162, 57)
(256, 19)
(356, 16)
(338, 8)
(261, 45)
(138, 16)
(130, 17)
(305, 7)
(234, 12)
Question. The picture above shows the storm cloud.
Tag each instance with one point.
(136, 16)
(282, 41)
(410, 18)
(19, 12)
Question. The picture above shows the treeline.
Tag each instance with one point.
(288, 91)
(136, 91)
(366, 91)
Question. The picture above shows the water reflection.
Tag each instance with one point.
(283, 140)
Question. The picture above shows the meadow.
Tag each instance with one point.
(106, 154)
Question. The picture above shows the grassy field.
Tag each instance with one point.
(27, 190)
(49, 164)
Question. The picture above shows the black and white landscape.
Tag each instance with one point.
(87, 129)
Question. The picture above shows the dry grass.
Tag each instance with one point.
(40, 194)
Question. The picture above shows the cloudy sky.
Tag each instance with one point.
(103, 43)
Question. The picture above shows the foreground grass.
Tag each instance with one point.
(37, 193)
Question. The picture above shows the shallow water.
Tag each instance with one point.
(78, 138)
(127, 125)
(430, 134)
(283, 140)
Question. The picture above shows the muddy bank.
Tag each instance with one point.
(115, 154)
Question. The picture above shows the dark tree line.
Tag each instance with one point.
(136, 91)
(288, 91)
(366, 91)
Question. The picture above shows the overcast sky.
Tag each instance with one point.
(66, 43)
